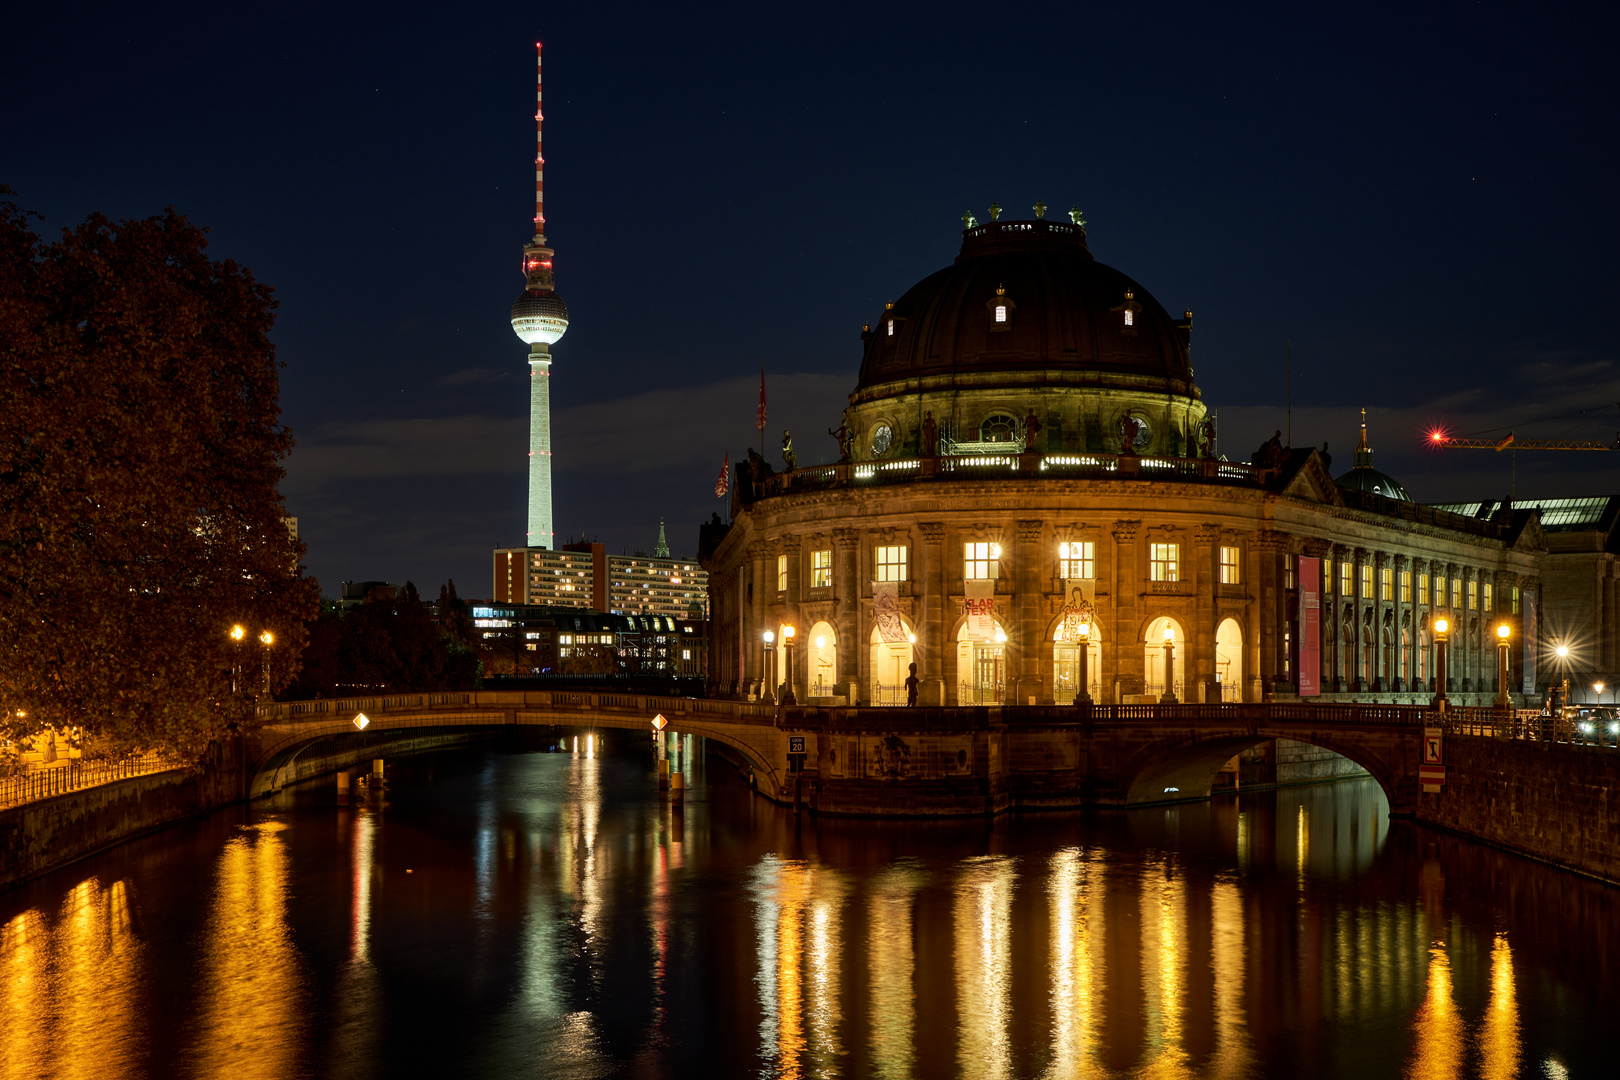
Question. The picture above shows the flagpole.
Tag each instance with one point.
(762, 408)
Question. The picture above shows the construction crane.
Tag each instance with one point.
(1443, 441)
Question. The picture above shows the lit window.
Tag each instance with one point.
(1347, 579)
(1229, 565)
(1288, 580)
(1473, 596)
(1164, 562)
(1077, 559)
(1489, 598)
(1386, 583)
(1406, 586)
(1456, 592)
(781, 573)
(1366, 581)
(1130, 317)
(891, 328)
(1423, 588)
(981, 561)
(1515, 600)
(1001, 313)
(891, 563)
(821, 569)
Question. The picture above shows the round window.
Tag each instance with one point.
(882, 439)
(998, 427)
(1144, 430)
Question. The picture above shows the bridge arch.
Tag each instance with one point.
(1178, 767)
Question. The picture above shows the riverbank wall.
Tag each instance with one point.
(41, 836)
(1558, 803)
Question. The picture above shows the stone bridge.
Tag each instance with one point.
(920, 761)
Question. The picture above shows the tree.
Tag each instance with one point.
(384, 646)
(140, 449)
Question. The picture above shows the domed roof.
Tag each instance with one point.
(1026, 303)
(539, 316)
(1363, 477)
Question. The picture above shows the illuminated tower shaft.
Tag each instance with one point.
(539, 318)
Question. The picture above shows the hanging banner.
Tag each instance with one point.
(1528, 607)
(886, 610)
(1078, 607)
(1310, 627)
(980, 600)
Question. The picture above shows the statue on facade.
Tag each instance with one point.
(1032, 428)
(846, 439)
(912, 682)
(1206, 438)
(1129, 428)
(930, 435)
(1271, 454)
(787, 451)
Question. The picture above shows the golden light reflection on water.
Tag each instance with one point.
(251, 1020)
(1233, 1053)
(891, 962)
(1164, 915)
(1075, 893)
(1499, 1034)
(70, 1004)
(983, 908)
(797, 913)
(1438, 1054)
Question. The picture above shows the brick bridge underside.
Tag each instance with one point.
(930, 761)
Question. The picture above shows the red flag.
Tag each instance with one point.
(761, 425)
(723, 485)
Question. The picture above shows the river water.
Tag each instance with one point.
(547, 915)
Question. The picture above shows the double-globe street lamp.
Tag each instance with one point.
(1504, 700)
(238, 634)
(1442, 626)
(767, 690)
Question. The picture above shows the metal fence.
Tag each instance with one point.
(1531, 725)
(45, 782)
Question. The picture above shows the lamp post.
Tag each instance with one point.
(1503, 699)
(788, 697)
(238, 632)
(1441, 626)
(266, 639)
(1084, 696)
(1169, 697)
(821, 643)
(767, 665)
(1561, 691)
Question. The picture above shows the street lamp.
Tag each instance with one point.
(788, 697)
(267, 639)
(1169, 697)
(1503, 699)
(1441, 626)
(1561, 692)
(768, 668)
(238, 632)
(1084, 634)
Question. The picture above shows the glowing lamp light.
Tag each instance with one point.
(912, 638)
(1437, 436)
(1085, 630)
(1597, 687)
(1001, 635)
(659, 723)
(1441, 626)
(770, 636)
(1169, 635)
(360, 721)
(267, 638)
(1503, 631)
(787, 633)
(821, 641)
(1562, 651)
(238, 632)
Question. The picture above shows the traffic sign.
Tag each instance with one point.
(1431, 746)
(659, 723)
(361, 720)
(796, 744)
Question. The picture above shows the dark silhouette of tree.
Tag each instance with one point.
(140, 449)
(385, 646)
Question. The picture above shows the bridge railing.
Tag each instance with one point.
(345, 708)
(1532, 725)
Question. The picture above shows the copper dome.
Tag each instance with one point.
(1068, 320)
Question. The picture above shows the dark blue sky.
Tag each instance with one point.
(1421, 197)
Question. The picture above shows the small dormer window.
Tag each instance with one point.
(1130, 317)
(1001, 313)
(1001, 308)
(1128, 310)
(891, 328)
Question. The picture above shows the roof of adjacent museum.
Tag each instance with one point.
(1063, 319)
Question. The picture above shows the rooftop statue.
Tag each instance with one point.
(787, 451)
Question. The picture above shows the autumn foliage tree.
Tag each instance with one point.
(140, 450)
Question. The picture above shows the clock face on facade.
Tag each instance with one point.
(882, 439)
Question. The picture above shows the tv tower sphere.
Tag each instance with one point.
(539, 318)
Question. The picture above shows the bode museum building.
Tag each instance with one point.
(1030, 509)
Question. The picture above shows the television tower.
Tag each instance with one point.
(539, 318)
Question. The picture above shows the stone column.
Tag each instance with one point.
(1122, 649)
(1332, 625)
(1383, 675)
(757, 620)
(1403, 620)
(1030, 647)
(1206, 586)
(1270, 608)
(1420, 622)
(933, 653)
(847, 566)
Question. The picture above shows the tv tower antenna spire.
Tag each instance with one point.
(539, 318)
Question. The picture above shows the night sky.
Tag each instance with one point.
(1420, 197)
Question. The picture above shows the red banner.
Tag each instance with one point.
(1310, 627)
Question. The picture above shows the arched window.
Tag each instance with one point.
(998, 427)
(891, 328)
(1130, 317)
(1001, 313)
